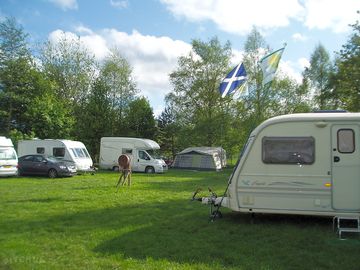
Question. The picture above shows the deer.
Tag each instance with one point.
(124, 162)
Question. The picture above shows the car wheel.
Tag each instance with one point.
(52, 173)
(149, 169)
(115, 168)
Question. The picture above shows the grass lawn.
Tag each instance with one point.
(81, 223)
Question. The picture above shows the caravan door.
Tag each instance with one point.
(345, 167)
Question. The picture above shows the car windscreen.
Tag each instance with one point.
(7, 153)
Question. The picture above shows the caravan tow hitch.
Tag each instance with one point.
(213, 200)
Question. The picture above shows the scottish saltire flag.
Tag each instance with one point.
(235, 78)
(269, 65)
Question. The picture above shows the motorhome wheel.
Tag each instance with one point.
(115, 168)
(149, 169)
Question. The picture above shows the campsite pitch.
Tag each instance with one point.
(82, 223)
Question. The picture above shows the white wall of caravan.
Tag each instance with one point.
(65, 149)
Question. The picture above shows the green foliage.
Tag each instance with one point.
(196, 100)
(140, 119)
(318, 75)
(70, 65)
(168, 133)
(346, 79)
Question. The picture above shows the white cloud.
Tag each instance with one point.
(291, 70)
(331, 14)
(81, 29)
(299, 37)
(119, 4)
(65, 4)
(239, 16)
(303, 63)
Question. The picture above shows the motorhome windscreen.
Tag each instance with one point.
(288, 150)
(154, 154)
(7, 154)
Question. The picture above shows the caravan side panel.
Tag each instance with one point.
(267, 182)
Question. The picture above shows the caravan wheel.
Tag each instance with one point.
(115, 168)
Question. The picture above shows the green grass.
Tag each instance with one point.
(81, 223)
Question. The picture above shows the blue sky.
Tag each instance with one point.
(152, 34)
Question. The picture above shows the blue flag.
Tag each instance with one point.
(234, 79)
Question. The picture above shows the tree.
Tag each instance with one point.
(168, 134)
(96, 118)
(346, 79)
(140, 119)
(196, 99)
(68, 63)
(28, 105)
(14, 66)
(116, 74)
(318, 76)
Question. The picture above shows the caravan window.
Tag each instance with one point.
(79, 152)
(288, 150)
(58, 151)
(346, 141)
(40, 150)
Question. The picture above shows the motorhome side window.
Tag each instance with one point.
(58, 151)
(346, 141)
(126, 151)
(40, 150)
(143, 155)
(288, 150)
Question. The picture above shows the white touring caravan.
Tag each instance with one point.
(8, 158)
(63, 149)
(306, 164)
(142, 153)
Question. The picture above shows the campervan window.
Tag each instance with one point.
(143, 155)
(58, 151)
(127, 151)
(288, 150)
(346, 141)
(40, 150)
(7, 154)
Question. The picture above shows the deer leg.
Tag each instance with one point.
(119, 182)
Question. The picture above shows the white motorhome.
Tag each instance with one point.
(8, 158)
(63, 149)
(142, 152)
(305, 164)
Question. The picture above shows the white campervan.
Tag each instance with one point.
(142, 152)
(306, 164)
(63, 149)
(8, 158)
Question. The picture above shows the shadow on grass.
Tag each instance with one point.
(180, 231)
